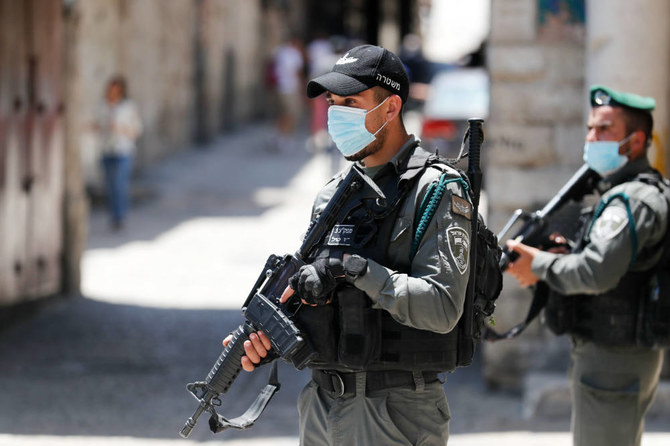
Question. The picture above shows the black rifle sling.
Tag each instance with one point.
(540, 298)
(218, 423)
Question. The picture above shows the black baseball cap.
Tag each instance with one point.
(363, 67)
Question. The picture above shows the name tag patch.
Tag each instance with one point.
(341, 235)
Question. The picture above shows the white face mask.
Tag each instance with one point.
(346, 125)
(604, 157)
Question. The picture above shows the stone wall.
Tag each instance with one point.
(634, 56)
(192, 67)
(535, 136)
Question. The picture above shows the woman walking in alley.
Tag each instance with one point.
(119, 126)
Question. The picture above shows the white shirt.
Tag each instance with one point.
(288, 63)
(120, 126)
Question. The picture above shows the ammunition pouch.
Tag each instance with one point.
(319, 324)
(559, 313)
(346, 334)
(654, 331)
(360, 335)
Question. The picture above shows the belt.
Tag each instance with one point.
(344, 383)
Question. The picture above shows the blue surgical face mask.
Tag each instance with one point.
(604, 157)
(346, 125)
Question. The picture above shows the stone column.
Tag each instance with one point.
(628, 48)
(535, 134)
(75, 202)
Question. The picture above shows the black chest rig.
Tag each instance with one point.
(612, 318)
(348, 334)
(617, 317)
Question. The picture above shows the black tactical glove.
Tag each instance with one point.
(315, 282)
(355, 266)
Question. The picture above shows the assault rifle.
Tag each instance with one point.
(263, 312)
(533, 232)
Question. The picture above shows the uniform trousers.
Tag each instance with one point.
(391, 417)
(612, 389)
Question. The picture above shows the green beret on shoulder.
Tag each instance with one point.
(601, 95)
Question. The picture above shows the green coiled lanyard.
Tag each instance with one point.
(428, 208)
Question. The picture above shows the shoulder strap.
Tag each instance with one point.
(663, 185)
(417, 163)
(631, 221)
(540, 298)
(652, 177)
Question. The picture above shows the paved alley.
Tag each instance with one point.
(111, 367)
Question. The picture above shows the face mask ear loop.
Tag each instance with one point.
(375, 108)
(380, 128)
(624, 141)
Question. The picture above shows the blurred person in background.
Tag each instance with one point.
(289, 66)
(321, 61)
(119, 126)
(378, 314)
(597, 289)
(418, 70)
(411, 53)
(321, 56)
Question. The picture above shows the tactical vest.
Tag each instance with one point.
(611, 318)
(348, 334)
(619, 317)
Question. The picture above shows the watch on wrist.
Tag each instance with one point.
(355, 266)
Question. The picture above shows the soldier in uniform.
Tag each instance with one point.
(382, 296)
(597, 288)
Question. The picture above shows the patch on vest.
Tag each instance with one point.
(459, 247)
(461, 206)
(610, 223)
(341, 235)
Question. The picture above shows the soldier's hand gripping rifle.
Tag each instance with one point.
(264, 313)
(533, 233)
